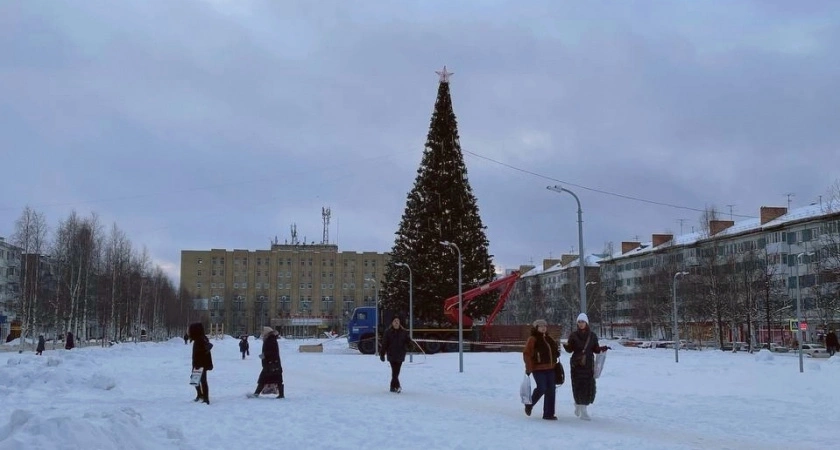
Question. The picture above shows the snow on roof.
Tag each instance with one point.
(589, 261)
(750, 225)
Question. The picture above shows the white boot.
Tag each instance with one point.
(583, 414)
(577, 410)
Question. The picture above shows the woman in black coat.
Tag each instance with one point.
(394, 344)
(69, 343)
(42, 344)
(201, 359)
(272, 368)
(583, 344)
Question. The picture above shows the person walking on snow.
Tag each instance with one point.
(394, 344)
(42, 344)
(831, 343)
(540, 355)
(201, 359)
(583, 344)
(243, 346)
(272, 368)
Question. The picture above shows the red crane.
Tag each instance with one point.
(506, 283)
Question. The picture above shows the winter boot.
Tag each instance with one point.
(280, 393)
(583, 414)
(528, 409)
(197, 394)
(577, 409)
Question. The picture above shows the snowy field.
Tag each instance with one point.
(137, 396)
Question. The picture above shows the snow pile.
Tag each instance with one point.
(764, 355)
(118, 429)
(57, 372)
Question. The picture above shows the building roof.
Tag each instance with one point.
(802, 214)
(589, 261)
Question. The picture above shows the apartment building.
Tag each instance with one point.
(551, 292)
(797, 253)
(10, 259)
(299, 288)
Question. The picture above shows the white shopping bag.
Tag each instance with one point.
(525, 390)
(195, 376)
(599, 363)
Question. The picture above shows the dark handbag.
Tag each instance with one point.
(582, 359)
(559, 374)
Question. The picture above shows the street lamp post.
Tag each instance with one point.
(581, 267)
(799, 311)
(375, 316)
(410, 306)
(460, 309)
(676, 326)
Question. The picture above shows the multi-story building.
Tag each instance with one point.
(551, 292)
(752, 270)
(10, 257)
(299, 288)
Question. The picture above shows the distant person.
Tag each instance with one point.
(540, 355)
(394, 345)
(186, 338)
(69, 343)
(243, 346)
(831, 343)
(42, 344)
(583, 344)
(201, 359)
(272, 367)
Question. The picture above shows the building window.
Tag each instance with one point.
(198, 285)
(199, 272)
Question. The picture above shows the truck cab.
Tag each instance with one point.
(361, 330)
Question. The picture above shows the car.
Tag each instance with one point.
(815, 350)
(775, 348)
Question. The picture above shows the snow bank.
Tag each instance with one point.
(116, 429)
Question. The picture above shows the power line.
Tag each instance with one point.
(596, 190)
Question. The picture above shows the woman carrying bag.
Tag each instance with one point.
(583, 344)
(540, 355)
(272, 369)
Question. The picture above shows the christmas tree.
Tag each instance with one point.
(440, 207)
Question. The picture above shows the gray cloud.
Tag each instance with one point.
(199, 124)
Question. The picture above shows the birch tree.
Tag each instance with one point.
(30, 235)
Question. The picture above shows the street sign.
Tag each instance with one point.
(793, 324)
(803, 326)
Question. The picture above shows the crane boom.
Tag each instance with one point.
(506, 283)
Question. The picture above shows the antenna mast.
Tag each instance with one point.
(325, 215)
(294, 234)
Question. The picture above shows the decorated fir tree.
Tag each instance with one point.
(440, 207)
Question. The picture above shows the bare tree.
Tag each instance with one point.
(30, 235)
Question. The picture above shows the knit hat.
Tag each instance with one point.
(539, 322)
(266, 331)
(583, 317)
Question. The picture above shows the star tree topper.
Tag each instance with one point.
(444, 75)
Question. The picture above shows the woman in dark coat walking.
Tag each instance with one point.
(69, 343)
(243, 346)
(42, 344)
(201, 359)
(394, 344)
(272, 367)
(583, 344)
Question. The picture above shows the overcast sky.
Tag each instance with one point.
(219, 123)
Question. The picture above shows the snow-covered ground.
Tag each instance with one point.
(137, 396)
